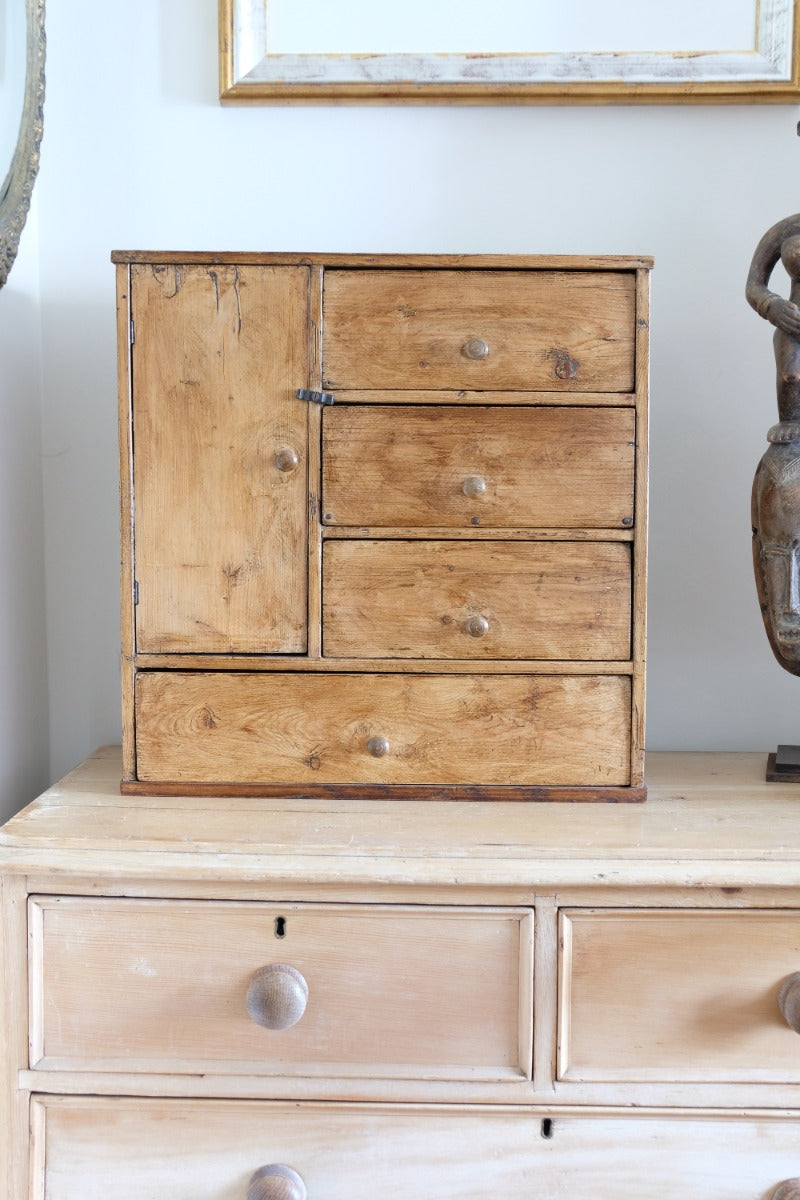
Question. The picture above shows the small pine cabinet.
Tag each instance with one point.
(225, 998)
(384, 524)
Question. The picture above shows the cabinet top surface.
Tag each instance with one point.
(586, 262)
(710, 818)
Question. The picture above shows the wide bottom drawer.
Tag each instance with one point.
(304, 729)
(90, 1149)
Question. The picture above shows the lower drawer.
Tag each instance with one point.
(238, 727)
(440, 599)
(90, 1149)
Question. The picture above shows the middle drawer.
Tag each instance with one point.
(480, 600)
(374, 991)
(407, 466)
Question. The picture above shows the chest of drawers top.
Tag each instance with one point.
(710, 821)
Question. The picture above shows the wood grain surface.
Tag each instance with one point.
(544, 329)
(459, 729)
(540, 467)
(484, 600)
(220, 523)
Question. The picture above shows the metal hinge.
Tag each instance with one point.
(136, 591)
(131, 333)
(315, 397)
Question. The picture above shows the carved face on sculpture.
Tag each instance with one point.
(776, 550)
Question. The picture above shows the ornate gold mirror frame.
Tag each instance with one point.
(15, 194)
(295, 51)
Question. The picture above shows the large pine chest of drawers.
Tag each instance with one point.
(214, 998)
(384, 524)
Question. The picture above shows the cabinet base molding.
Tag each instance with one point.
(392, 791)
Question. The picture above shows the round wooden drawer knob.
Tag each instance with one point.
(475, 348)
(789, 1003)
(276, 1182)
(378, 747)
(277, 996)
(788, 1190)
(474, 485)
(286, 459)
(477, 626)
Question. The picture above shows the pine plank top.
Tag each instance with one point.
(710, 819)
(523, 262)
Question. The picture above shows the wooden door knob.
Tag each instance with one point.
(477, 626)
(277, 996)
(788, 1190)
(475, 348)
(474, 485)
(286, 459)
(378, 746)
(276, 1182)
(789, 1001)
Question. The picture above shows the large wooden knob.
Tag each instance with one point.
(788, 1190)
(789, 1001)
(277, 996)
(276, 1182)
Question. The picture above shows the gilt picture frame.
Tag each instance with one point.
(339, 51)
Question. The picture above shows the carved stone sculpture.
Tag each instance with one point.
(776, 487)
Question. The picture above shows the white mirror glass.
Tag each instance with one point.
(508, 26)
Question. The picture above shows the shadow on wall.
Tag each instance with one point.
(24, 725)
(80, 472)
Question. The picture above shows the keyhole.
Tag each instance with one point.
(280, 927)
(547, 1127)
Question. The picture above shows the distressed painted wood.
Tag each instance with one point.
(211, 727)
(764, 69)
(569, 330)
(477, 600)
(220, 451)
(486, 467)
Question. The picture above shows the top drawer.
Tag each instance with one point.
(503, 330)
(665, 995)
(291, 990)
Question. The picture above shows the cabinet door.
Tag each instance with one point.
(220, 458)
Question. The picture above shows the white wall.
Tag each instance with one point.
(23, 668)
(139, 154)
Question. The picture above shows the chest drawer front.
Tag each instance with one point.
(146, 985)
(210, 1150)
(502, 468)
(402, 729)
(684, 995)
(481, 600)
(479, 330)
